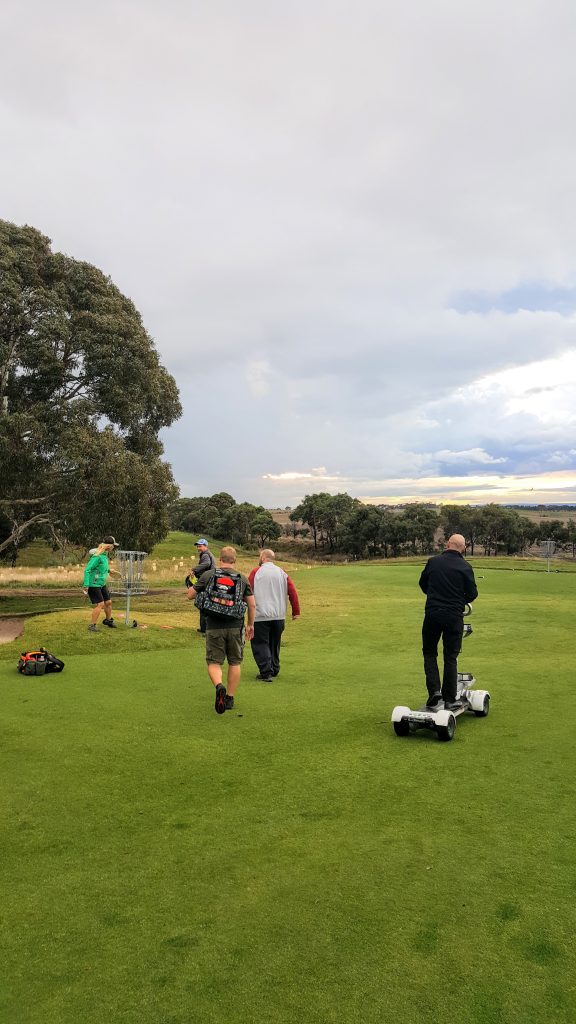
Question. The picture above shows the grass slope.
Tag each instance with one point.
(295, 860)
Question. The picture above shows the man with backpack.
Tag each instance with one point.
(224, 596)
(206, 561)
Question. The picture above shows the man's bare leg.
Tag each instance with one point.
(215, 673)
(233, 679)
(108, 609)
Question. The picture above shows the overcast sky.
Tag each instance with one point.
(350, 228)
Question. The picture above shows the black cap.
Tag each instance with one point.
(111, 540)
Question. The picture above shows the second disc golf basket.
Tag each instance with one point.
(130, 582)
(547, 549)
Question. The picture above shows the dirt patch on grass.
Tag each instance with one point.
(10, 629)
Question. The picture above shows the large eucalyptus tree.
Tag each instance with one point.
(82, 399)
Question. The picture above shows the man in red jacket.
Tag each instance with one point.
(272, 589)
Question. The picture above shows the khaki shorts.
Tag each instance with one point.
(225, 644)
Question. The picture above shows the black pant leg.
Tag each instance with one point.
(431, 633)
(276, 630)
(452, 643)
(260, 645)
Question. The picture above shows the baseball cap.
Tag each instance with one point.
(201, 541)
(110, 540)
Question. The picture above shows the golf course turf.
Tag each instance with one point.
(293, 860)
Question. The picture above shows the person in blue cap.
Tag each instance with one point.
(206, 561)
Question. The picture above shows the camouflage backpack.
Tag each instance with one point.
(222, 595)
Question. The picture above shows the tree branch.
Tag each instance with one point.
(25, 501)
(74, 391)
(19, 530)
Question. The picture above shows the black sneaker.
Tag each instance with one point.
(264, 679)
(452, 705)
(434, 700)
(229, 702)
(110, 623)
(220, 701)
(92, 628)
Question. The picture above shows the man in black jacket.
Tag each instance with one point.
(449, 584)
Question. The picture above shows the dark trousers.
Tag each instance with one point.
(449, 626)
(266, 646)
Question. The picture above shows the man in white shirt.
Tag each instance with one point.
(272, 589)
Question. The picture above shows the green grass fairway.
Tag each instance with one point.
(293, 861)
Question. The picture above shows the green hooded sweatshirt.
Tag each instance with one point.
(96, 572)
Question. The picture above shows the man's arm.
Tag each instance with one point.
(192, 592)
(423, 582)
(293, 598)
(251, 602)
(470, 585)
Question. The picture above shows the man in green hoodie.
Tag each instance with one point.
(95, 576)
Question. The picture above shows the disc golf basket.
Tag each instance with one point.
(130, 582)
(547, 549)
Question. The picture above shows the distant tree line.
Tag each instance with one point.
(221, 516)
(500, 530)
(341, 524)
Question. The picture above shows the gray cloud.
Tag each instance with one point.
(294, 196)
